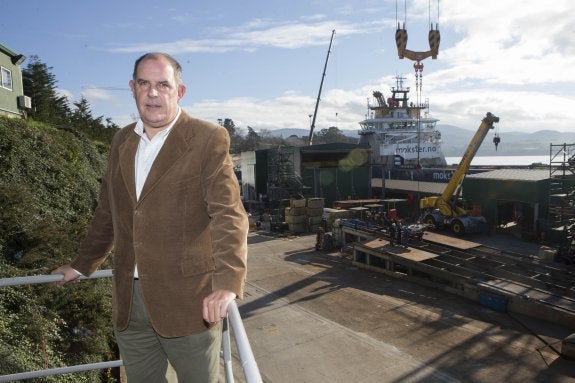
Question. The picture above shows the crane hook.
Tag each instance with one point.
(496, 140)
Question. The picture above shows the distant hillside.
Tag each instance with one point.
(455, 140)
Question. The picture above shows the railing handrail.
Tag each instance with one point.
(247, 360)
(60, 370)
(39, 279)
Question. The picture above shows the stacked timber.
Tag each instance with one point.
(314, 211)
(296, 216)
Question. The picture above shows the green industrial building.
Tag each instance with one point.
(510, 195)
(331, 171)
(540, 202)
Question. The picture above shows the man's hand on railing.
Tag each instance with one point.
(70, 275)
(215, 305)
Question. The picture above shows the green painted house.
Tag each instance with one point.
(13, 103)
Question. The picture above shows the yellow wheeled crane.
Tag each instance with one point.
(444, 210)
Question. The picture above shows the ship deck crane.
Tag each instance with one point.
(443, 210)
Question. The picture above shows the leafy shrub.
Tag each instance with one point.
(49, 186)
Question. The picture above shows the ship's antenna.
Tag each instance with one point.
(367, 112)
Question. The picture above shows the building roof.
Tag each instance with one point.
(528, 175)
(411, 186)
(6, 50)
(15, 57)
(335, 146)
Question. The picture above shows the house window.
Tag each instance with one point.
(6, 78)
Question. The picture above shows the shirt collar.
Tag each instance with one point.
(139, 128)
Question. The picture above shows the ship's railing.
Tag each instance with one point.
(234, 320)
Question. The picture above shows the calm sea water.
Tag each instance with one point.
(502, 160)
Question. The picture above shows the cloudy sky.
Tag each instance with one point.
(260, 63)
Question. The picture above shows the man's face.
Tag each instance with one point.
(157, 93)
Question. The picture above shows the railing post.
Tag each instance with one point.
(251, 370)
(227, 352)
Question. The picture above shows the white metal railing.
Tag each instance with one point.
(247, 360)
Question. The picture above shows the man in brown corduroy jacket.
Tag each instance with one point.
(170, 209)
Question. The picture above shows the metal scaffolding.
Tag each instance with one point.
(562, 197)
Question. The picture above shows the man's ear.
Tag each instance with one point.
(181, 91)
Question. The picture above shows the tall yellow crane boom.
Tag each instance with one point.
(443, 209)
(465, 163)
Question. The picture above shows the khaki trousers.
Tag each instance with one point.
(195, 358)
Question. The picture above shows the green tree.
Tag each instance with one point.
(51, 108)
(228, 123)
(251, 141)
(81, 117)
(267, 140)
(40, 85)
(332, 135)
(236, 139)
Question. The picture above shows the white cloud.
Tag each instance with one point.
(510, 42)
(96, 94)
(255, 34)
(511, 58)
(518, 111)
(337, 108)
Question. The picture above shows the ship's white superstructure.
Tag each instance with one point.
(401, 133)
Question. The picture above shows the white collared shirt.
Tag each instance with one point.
(146, 154)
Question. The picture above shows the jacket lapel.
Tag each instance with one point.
(176, 145)
(127, 163)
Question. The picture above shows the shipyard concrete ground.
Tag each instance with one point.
(312, 317)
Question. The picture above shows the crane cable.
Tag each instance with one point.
(418, 66)
(405, 13)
